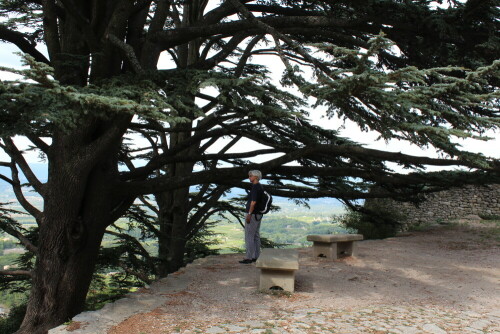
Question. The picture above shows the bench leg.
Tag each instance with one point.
(270, 278)
(347, 248)
(325, 249)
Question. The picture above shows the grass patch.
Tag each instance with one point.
(231, 237)
(490, 231)
(277, 293)
(489, 217)
(419, 227)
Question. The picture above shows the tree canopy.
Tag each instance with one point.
(421, 71)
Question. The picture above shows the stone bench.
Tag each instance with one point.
(333, 246)
(277, 268)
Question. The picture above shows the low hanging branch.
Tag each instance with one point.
(16, 273)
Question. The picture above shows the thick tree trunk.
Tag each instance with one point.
(174, 205)
(78, 207)
(173, 228)
(174, 211)
(62, 277)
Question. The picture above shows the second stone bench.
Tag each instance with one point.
(333, 246)
(277, 269)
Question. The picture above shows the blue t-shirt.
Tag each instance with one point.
(255, 195)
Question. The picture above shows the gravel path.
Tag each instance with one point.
(444, 280)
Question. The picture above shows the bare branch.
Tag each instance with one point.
(202, 222)
(217, 14)
(16, 186)
(238, 215)
(128, 51)
(221, 55)
(18, 158)
(244, 58)
(277, 35)
(130, 238)
(201, 212)
(199, 196)
(38, 142)
(21, 41)
(19, 236)
(172, 38)
(142, 276)
(16, 273)
(149, 205)
(6, 179)
(121, 207)
(167, 158)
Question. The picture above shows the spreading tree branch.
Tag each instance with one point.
(21, 41)
(38, 142)
(17, 187)
(222, 175)
(22, 239)
(18, 158)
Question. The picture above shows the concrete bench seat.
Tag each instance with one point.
(333, 246)
(277, 268)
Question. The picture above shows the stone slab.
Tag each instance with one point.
(334, 246)
(334, 237)
(274, 258)
(277, 268)
(281, 279)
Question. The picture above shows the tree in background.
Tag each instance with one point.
(98, 85)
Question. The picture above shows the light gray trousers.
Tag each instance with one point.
(252, 237)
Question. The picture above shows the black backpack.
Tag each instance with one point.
(265, 202)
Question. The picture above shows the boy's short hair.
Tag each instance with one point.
(256, 173)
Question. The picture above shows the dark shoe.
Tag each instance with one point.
(254, 260)
(246, 261)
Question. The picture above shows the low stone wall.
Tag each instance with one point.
(455, 203)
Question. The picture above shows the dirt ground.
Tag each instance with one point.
(452, 270)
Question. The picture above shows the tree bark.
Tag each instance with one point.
(62, 276)
(173, 236)
(174, 210)
(78, 206)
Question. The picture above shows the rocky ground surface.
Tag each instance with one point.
(442, 280)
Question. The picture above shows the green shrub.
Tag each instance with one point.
(486, 216)
(97, 300)
(11, 322)
(373, 224)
